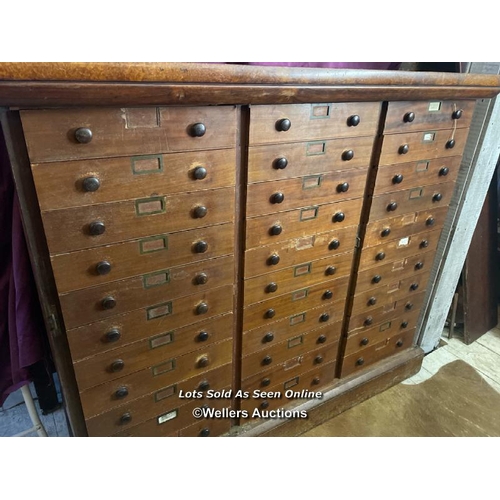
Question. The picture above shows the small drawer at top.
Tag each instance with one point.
(297, 122)
(68, 134)
(411, 116)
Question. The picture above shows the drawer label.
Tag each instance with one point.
(295, 341)
(393, 287)
(302, 269)
(148, 164)
(154, 244)
(311, 182)
(434, 106)
(428, 137)
(156, 279)
(315, 148)
(165, 393)
(167, 416)
(291, 383)
(166, 367)
(150, 206)
(422, 166)
(300, 294)
(416, 193)
(298, 318)
(141, 117)
(292, 363)
(398, 265)
(404, 242)
(320, 111)
(309, 213)
(409, 219)
(384, 327)
(159, 310)
(160, 340)
(303, 243)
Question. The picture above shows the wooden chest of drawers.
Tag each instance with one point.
(271, 243)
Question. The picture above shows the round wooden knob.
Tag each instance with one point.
(430, 221)
(333, 245)
(91, 184)
(202, 336)
(403, 149)
(408, 306)
(272, 287)
(200, 212)
(126, 418)
(437, 197)
(201, 279)
(338, 217)
(377, 278)
(203, 362)
(419, 265)
(324, 317)
(348, 155)
(200, 247)
(121, 392)
(197, 130)
(360, 361)
(316, 381)
(203, 386)
(205, 432)
(364, 341)
(108, 302)
(265, 382)
(318, 359)
(409, 117)
(372, 301)
(399, 343)
(199, 173)
(450, 144)
(385, 232)
(202, 308)
(117, 365)
(103, 267)
(413, 287)
(321, 339)
(456, 115)
(283, 125)
(275, 230)
(443, 171)
(343, 188)
(97, 228)
(330, 270)
(397, 179)
(277, 198)
(264, 405)
(424, 244)
(112, 336)
(267, 360)
(353, 121)
(273, 260)
(268, 337)
(328, 295)
(83, 135)
(404, 324)
(368, 321)
(380, 256)
(392, 206)
(270, 313)
(280, 163)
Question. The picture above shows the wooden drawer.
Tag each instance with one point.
(121, 331)
(171, 371)
(287, 280)
(411, 200)
(394, 310)
(271, 258)
(399, 249)
(271, 197)
(371, 336)
(51, 134)
(63, 184)
(312, 121)
(360, 360)
(302, 222)
(118, 297)
(95, 225)
(287, 372)
(158, 403)
(421, 147)
(266, 312)
(395, 228)
(312, 382)
(402, 176)
(78, 270)
(280, 352)
(379, 277)
(283, 161)
(393, 291)
(293, 326)
(207, 428)
(173, 418)
(430, 114)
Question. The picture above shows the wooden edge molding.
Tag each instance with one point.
(345, 394)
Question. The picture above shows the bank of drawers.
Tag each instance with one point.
(138, 210)
(307, 171)
(415, 179)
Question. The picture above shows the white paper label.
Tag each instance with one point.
(404, 242)
(435, 106)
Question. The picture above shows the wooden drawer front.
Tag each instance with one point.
(287, 280)
(94, 304)
(312, 382)
(51, 134)
(411, 200)
(430, 114)
(291, 327)
(358, 361)
(312, 121)
(171, 371)
(207, 428)
(78, 270)
(402, 176)
(283, 161)
(271, 258)
(264, 197)
(366, 320)
(399, 249)
(371, 336)
(71, 228)
(296, 302)
(141, 355)
(172, 418)
(284, 372)
(123, 330)
(131, 413)
(291, 348)
(302, 222)
(62, 184)
(403, 225)
(378, 277)
(393, 291)
(421, 147)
